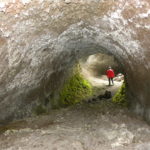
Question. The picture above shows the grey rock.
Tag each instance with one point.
(40, 42)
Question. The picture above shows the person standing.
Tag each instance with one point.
(110, 75)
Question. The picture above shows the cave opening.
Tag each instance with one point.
(94, 68)
(87, 81)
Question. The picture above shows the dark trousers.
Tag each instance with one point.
(111, 80)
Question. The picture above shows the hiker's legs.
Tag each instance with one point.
(109, 80)
(112, 81)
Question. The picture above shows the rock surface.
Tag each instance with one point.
(40, 40)
(97, 126)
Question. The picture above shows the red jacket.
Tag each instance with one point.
(110, 73)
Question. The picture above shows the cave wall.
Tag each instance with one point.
(40, 40)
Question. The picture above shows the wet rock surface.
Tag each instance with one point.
(101, 125)
(41, 40)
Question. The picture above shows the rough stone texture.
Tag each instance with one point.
(97, 126)
(41, 39)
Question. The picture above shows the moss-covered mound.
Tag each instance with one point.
(75, 90)
(120, 96)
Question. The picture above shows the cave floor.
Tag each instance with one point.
(96, 126)
(100, 125)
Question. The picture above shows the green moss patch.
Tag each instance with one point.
(75, 90)
(120, 96)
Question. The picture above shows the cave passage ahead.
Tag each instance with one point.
(94, 70)
(41, 40)
(87, 80)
